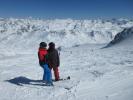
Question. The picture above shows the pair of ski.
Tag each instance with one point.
(62, 79)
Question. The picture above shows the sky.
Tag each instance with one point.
(75, 9)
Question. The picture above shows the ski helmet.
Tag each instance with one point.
(43, 44)
(52, 44)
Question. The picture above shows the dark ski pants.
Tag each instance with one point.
(56, 73)
(47, 76)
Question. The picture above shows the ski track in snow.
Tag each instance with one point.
(96, 74)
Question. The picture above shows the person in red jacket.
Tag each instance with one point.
(42, 52)
(42, 55)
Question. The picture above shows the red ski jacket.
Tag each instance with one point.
(41, 55)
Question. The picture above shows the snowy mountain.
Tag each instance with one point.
(126, 34)
(28, 33)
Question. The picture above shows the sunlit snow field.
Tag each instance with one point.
(96, 74)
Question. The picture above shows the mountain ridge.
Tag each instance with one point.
(121, 36)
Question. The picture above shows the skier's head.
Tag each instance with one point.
(52, 45)
(43, 45)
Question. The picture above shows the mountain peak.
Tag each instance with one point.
(126, 33)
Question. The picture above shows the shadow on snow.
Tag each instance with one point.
(20, 81)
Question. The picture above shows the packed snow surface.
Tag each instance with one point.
(96, 74)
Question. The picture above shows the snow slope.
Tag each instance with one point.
(96, 74)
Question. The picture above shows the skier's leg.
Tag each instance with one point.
(49, 76)
(56, 73)
(43, 72)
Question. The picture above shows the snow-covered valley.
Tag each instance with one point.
(96, 74)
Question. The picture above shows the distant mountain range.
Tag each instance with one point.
(64, 32)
